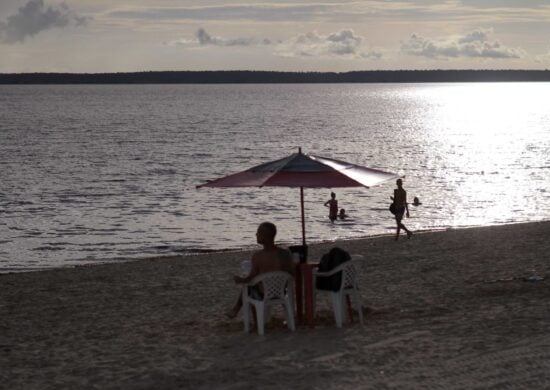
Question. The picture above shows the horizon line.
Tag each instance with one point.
(278, 71)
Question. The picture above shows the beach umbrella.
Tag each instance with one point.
(304, 171)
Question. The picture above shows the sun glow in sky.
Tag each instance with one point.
(307, 35)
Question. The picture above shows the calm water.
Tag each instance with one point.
(98, 173)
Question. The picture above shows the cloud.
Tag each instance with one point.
(206, 39)
(343, 43)
(472, 45)
(34, 17)
(203, 38)
(543, 58)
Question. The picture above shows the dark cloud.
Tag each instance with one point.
(472, 45)
(206, 39)
(475, 36)
(35, 17)
(203, 38)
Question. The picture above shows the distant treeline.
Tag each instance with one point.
(257, 77)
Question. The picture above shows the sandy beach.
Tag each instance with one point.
(460, 309)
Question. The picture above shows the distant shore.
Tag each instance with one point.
(272, 77)
(462, 308)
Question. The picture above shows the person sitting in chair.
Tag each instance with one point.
(270, 258)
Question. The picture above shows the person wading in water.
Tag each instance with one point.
(400, 207)
(332, 205)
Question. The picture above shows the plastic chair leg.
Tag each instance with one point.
(337, 307)
(290, 316)
(260, 319)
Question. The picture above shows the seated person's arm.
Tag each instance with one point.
(254, 270)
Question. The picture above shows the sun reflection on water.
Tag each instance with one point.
(483, 133)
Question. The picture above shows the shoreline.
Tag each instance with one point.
(252, 247)
(453, 309)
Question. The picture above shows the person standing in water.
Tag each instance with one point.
(401, 208)
(332, 205)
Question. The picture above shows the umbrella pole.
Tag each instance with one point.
(303, 219)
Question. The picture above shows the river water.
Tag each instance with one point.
(99, 173)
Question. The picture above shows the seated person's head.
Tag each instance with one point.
(266, 233)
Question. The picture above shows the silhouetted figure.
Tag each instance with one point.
(332, 205)
(400, 207)
(270, 258)
(342, 214)
(416, 201)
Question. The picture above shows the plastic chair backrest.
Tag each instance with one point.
(274, 284)
(349, 274)
(349, 271)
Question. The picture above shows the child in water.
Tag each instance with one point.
(342, 214)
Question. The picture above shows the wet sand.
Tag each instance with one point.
(451, 310)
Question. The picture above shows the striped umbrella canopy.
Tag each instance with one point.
(304, 171)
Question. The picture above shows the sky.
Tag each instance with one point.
(309, 35)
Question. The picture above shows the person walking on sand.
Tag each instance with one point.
(270, 258)
(332, 205)
(400, 208)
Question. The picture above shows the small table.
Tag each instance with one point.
(304, 292)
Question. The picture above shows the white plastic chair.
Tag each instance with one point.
(348, 287)
(278, 289)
